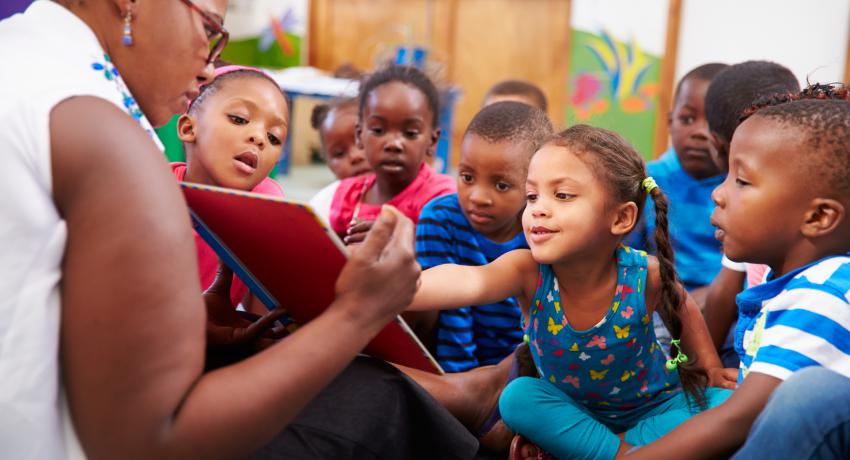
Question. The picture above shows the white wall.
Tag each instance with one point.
(807, 36)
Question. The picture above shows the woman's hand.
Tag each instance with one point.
(382, 276)
(722, 377)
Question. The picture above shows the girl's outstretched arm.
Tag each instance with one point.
(717, 432)
(454, 286)
(696, 341)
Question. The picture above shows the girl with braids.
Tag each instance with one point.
(605, 384)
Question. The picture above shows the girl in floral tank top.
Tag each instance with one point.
(613, 367)
(605, 384)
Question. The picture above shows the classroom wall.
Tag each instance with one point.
(478, 42)
(809, 37)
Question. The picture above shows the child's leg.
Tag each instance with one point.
(669, 415)
(542, 413)
(807, 416)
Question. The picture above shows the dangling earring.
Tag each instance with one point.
(127, 39)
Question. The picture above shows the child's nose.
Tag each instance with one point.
(256, 140)
(480, 197)
(394, 145)
(717, 195)
(700, 130)
(356, 156)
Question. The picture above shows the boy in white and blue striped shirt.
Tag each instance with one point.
(785, 203)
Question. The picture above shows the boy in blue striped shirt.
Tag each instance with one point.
(480, 223)
(784, 203)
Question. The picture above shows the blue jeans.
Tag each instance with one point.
(543, 413)
(806, 417)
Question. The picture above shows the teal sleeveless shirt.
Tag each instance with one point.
(613, 367)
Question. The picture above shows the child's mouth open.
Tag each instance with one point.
(246, 162)
(539, 234)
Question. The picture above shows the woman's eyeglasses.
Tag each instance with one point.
(216, 34)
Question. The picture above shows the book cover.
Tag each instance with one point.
(287, 256)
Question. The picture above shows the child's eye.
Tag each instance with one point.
(740, 182)
(466, 178)
(411, 134)
(274, 140)
(563, 196)
(531, 197)
(686, 120)
(236, 119)
(377, 131)
(338, 154)
(503, 187)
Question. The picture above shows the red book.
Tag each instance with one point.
(288, 257)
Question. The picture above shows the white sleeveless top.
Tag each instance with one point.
(47, 56)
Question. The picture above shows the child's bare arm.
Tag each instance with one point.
(696, 341)
(454, 286)
(718, 432)
(720, 308)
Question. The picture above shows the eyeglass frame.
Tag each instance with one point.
(216, 50)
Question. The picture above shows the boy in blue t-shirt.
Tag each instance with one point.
(687, 175)
(784, 204)
(480, 223)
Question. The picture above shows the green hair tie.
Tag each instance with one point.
(680, 358)
(649, 184)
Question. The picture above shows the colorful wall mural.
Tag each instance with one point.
(614, 74)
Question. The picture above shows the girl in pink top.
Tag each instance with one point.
(398, 130)
(233, 134)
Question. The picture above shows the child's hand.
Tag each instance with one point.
(723, 378)
(225, 327)
(357, 232)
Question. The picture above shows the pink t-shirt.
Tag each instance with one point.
(427, 185)
(207, 258)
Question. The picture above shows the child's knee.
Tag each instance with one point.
(514, 401)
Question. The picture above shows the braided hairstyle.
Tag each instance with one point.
(621, 169)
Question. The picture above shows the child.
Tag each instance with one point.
(336, 123)
(732, 91)
(784, 204)
(687, 174)
(587, 303)
(480, 223)
(397, 128)
(516, 90)
(233, 135)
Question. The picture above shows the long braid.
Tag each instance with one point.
(622, 170)
(694, 379)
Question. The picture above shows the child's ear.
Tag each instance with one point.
(625, 218)
(669, 119)
(823, 217)
(358, 132)
(435, 138)
(186, 128)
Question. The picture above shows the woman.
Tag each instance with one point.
(88, 204)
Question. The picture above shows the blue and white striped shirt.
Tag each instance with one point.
(477, 335)
(798, 320)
